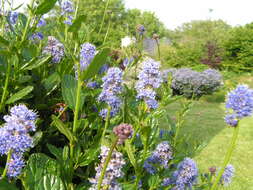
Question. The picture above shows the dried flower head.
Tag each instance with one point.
(212, 170)
(123, 132)
(155, 36)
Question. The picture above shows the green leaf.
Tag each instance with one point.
(130, 154)
(98, 61)
(63, 129)
(153, 181)
(39, 63)
(38, 166)
(4, 41)
(65, 153)
(51, 82)
(36, 137)
(51, 182)
(45, 7)
(5, 185)
(57, 152)
(77, 23)
(89, 156)
(69, 88)
(19, 95)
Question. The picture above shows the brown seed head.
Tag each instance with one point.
(123, 132)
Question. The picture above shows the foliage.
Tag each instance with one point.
(189, 43)
(239, 49)
(98, 128)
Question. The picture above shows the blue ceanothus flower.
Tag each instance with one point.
(14, 137)
(149, 79)
(161, 155)
(184, 177)
(239, 104)
(36, 37)
(15, 165)
(113, 170)
(227, 175)
(112, 87)
(66, 9)
(55, 49)
(13, 17)
(41, 23)
(87, 53)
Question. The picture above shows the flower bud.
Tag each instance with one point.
(123, 132)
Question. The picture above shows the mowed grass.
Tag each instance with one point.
(205, 125)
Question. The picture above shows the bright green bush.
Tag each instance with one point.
(239, 49)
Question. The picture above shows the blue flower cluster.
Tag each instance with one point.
(67, 8)
(140, 29)
(112, 87)
(36, 37)
(93, 85)
(127, 61)
(87, 53)
(13, 17)
(161, 155)
(149, 79)
(41, 23)
(194, 84)
(227, 175)
(113, 170)
(14, 137)
(185, 175)
(239, 104)
(55, 49)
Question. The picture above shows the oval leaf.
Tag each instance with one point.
(45, 7)
(63, 129)
(51, 182)
(38, 166)
(19, 95)
(98, 61)
(69, 88)
(38, 63)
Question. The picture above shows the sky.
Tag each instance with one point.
(173, 13)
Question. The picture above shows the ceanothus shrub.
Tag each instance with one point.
(193, 84)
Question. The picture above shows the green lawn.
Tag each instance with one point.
(204, 124)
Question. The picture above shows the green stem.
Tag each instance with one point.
(77, 7)
(103, 20)
(78, 96)
(227, 157)
(27, 23)
(107, 122)
(107, 31)
(100, 180)
(5, 85)
(3, 19)
(178, 126)
(6, 165)
(158, 48)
